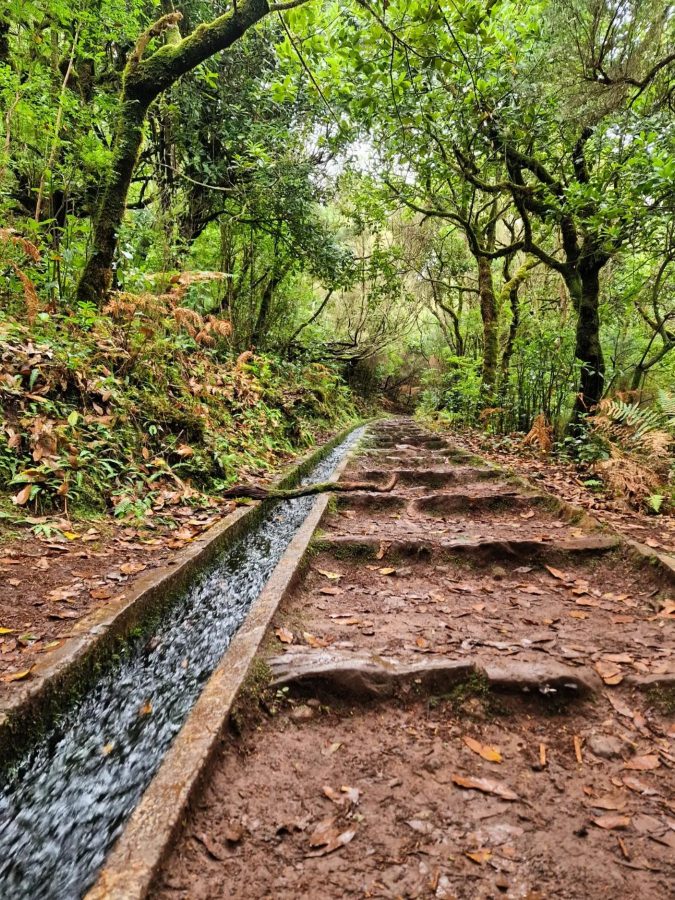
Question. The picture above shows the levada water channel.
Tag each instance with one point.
(64, 804)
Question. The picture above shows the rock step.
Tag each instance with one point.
(368, 546)
(368, 676)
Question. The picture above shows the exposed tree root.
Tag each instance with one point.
(373, 677)
(255, 492)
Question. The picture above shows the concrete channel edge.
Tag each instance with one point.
(135, 859)
(28, 708)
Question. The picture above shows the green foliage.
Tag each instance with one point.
(122, 418)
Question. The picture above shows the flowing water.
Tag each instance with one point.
(68, 799)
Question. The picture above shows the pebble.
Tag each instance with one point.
(302, 713)
(606, 746)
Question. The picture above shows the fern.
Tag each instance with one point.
(635, 420)
(667, 404)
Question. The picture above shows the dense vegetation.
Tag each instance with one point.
(226, 225)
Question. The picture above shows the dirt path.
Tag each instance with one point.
(470, 699)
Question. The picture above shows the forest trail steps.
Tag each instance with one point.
(472, 698)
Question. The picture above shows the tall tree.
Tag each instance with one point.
(146, 76)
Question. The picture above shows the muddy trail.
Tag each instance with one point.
(469, 694)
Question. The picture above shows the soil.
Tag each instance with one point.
(490, 786)
(50, 582)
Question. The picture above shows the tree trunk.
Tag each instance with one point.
(259, 336)
(585, 290)
(490, 316)
(97, 275)
(144, 80)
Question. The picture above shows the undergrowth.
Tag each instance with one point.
(134, 414)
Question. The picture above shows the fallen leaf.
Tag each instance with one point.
(578, 614)
(478, 856)
(556, 572)
(23, 496)
(107, 749)
(132, 568)
(104, 593)
(15, 582)
(6, 631)
(643, 763)
(284, 635)
(486, 785)
(333, 576)
(609, 803)
(331, 748)
(387, 570)
(146, 709)
(653, 543)
(314, 641)
(17, 676)
(609, 672)
(422, 643)
(609, 822)
(527, 515)
(491, 754)
(640, 787)
(382, 550)
(331, 591)
(327, 837)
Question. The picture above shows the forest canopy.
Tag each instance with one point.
(466, 207)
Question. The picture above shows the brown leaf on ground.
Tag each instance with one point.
(609, 672)
(557, 573)
(640, 787)
(146, 709)
(284, 635)
(610, 822)
(608, 802)
(491, 754)
(387, 570)
(486, 785)
(132, 568)
(17, 676)
(104, 593)
(331, 591)
(314, 641)
(478, 856)
(643, 763)
(332, 576)
(327, 837)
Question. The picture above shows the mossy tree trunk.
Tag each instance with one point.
(584, 287)
(489, 311)
(145, 78)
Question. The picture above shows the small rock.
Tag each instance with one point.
(302, 713)
(606, 746)
(314, 703)
(432, 764)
